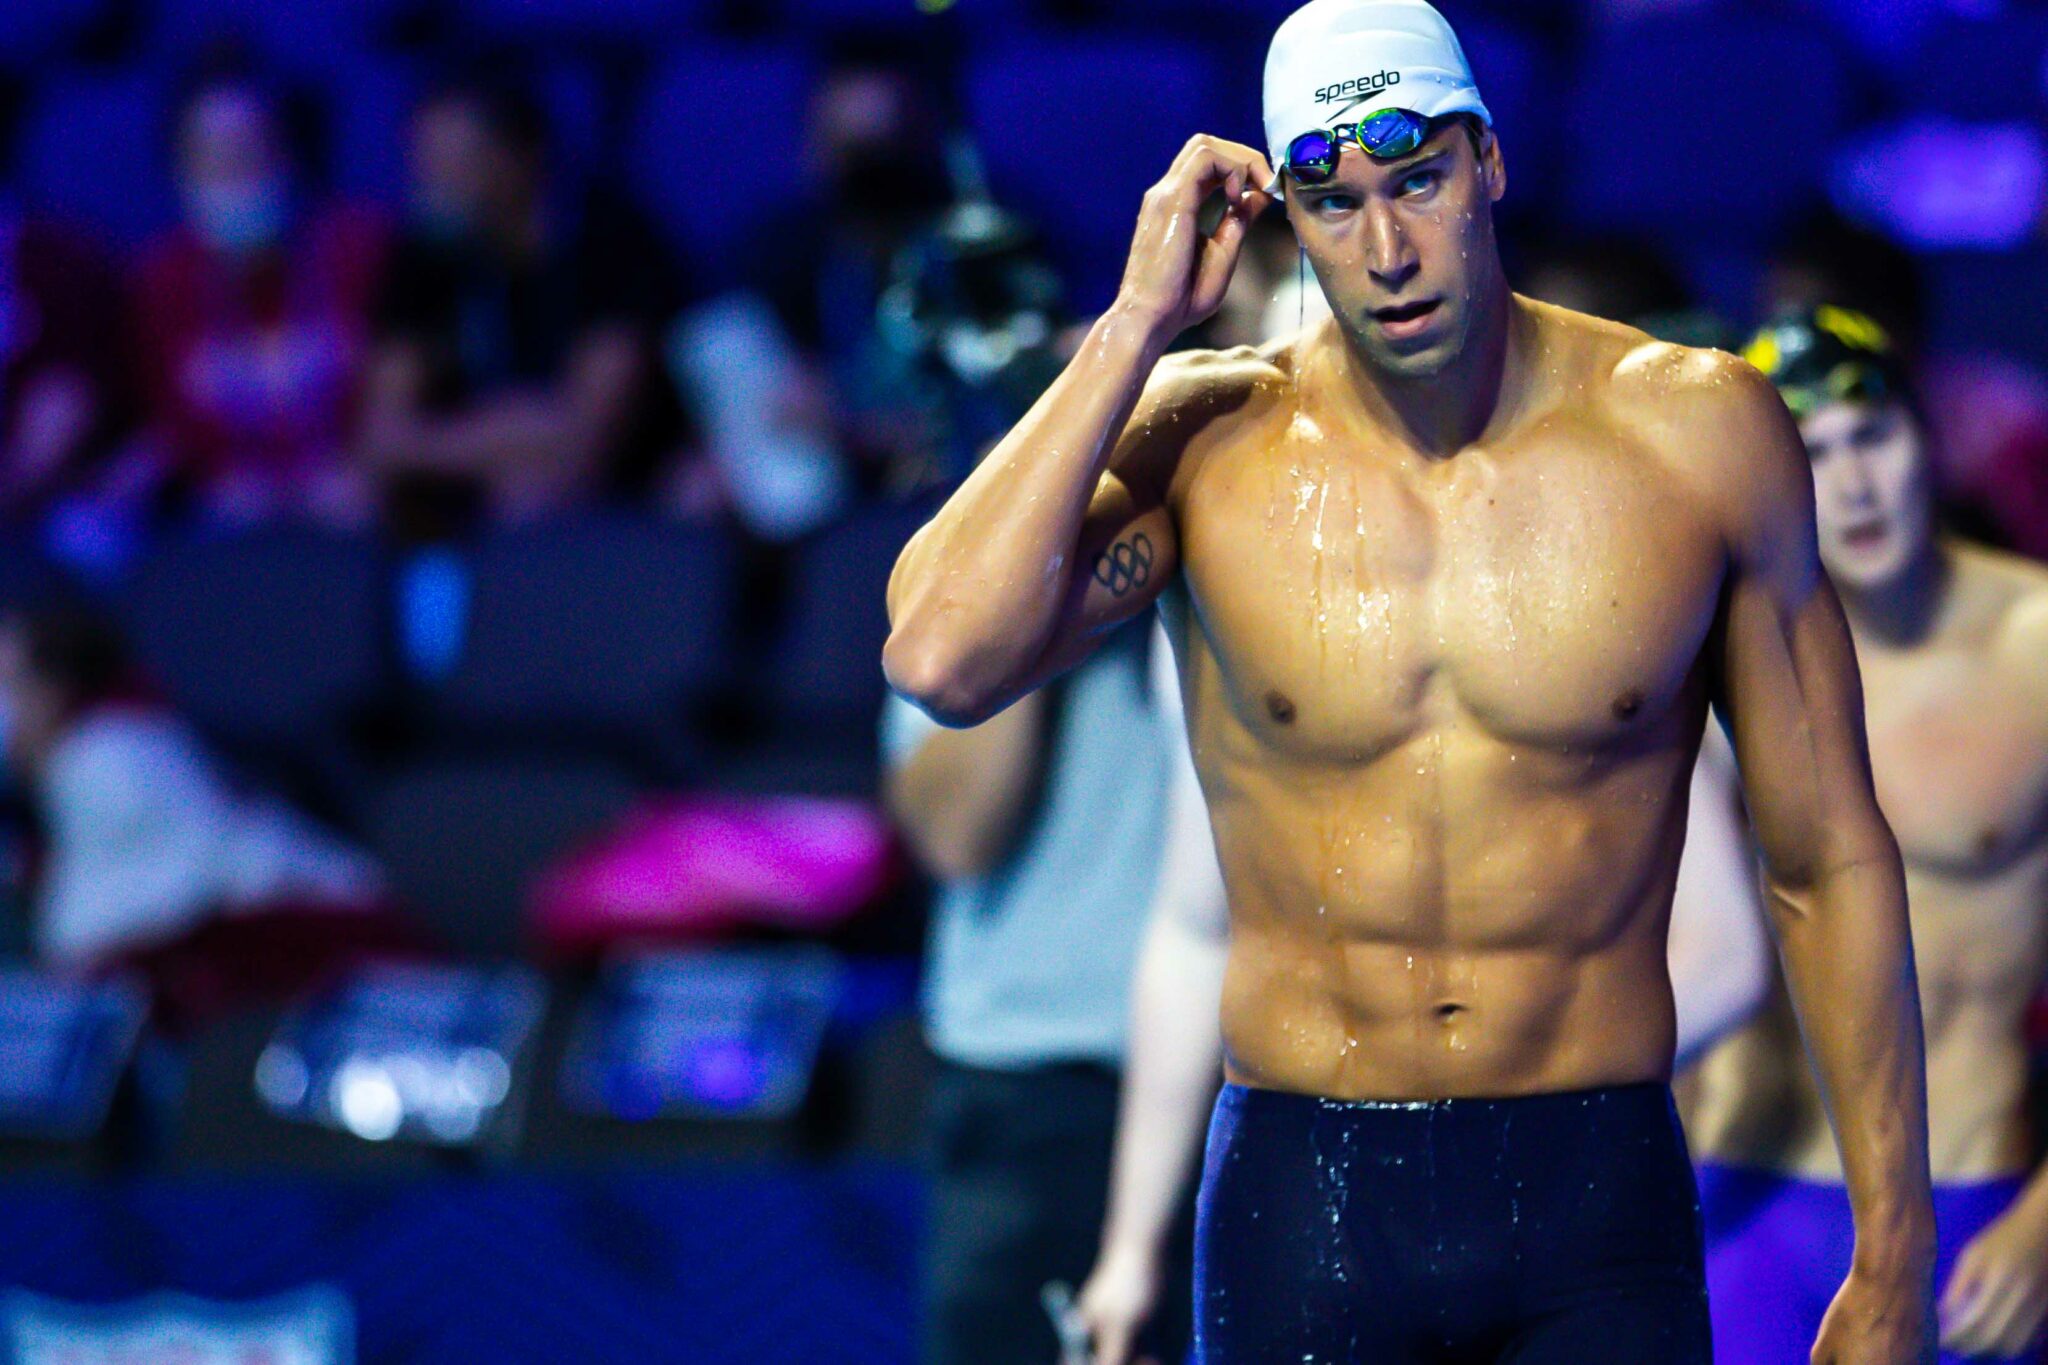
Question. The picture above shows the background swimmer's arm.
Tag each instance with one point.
(1062, 532)
(1175, 1055)
(961, 796)
(1719, 952)
(1834, 884)
(1996, 1298)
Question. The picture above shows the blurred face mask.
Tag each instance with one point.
(239, 218)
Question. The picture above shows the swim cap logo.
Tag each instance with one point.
(1359, 89)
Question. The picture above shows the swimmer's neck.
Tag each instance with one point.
(1474, 395)
(1903, 609)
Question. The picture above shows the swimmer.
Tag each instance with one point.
(1952, 639)
(1456, 577)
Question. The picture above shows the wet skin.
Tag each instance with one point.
(1444, 712)
(1958, 724)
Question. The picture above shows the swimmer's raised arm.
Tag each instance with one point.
(1062, 532)
(1834, 886)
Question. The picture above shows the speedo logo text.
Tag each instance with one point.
(1358, 87)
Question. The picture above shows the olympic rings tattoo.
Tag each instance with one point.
(1125, 565)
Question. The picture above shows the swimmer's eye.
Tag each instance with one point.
(1331, 204)
(1418, 183)
(1872, 431)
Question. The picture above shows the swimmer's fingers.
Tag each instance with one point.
(1218, 262)
(2012, 1317)
(1115, 1304)
(1209, 163)
(1992, 1305)
(1111, 1332)
(1965, 1286)
(1176, 275)
(1974, 1331)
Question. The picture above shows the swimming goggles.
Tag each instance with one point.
(1383, 134)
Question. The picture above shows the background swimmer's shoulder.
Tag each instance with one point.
(2014, 591)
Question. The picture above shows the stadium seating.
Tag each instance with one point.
(1074, 130)
(2004, 53)
(263, 638)
(1664, 119)
(612, 628)
(32, 31)
(91, 149)
(714, 143)
(461, 839)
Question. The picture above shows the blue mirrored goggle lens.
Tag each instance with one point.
(1312, 157)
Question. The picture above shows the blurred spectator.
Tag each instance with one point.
(1044, 828)
(153, 860)
(252, 316)
(1991, 461)
(835, 405)
(1828, 259)
(1617, 278)
(61, 383)
(1625, 280)
(515, 374)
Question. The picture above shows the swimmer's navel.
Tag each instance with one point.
(1450, 1012)
(1280, 708)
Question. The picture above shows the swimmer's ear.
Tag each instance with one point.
(1492, 170)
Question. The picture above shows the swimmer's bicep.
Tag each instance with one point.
(1795, 704)
(1788, 681)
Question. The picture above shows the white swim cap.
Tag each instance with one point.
(1335, 60)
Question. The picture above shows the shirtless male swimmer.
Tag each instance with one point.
(1952, 639)
(1461, 575)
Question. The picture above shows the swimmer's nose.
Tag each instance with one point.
(1390, 257)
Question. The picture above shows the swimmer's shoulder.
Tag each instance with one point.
(1665, 385)
(1208, 387)
(1642, 383)
(1198, 400)
(1714, 422)
(2014, 590)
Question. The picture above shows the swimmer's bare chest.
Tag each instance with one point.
(1444, 712)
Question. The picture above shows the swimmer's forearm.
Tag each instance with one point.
(979, 592)
(1848, 963)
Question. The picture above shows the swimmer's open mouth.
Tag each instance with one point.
(1406, 312)
(1865, 536)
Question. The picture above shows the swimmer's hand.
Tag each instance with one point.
(1997, 1295)
(1116, 1303)
(1176, 275)
(1878, 1320)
